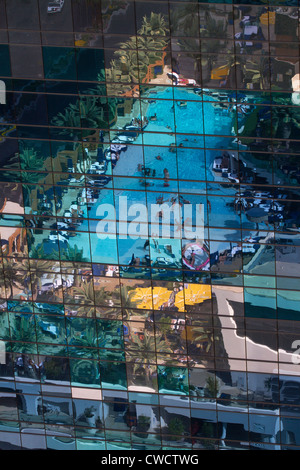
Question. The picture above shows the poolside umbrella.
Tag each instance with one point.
(173, 76)
(257, 215)
(143, 297)
(195, 293)
(160, 296)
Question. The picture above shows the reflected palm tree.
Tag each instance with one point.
(89, 112)
(74, 255)
(29, 159)
(86, 291)
(155, 25)
(215, 30)
(151, 39)
(87, 343)
(90, 297)
(23, 335)
(92, 112)
(205, 337)
(98, 88)
(107, 108)
(126, 297)
(141, 353)
(165, 326)
(185, 20)
(212, 387)
(38, 252)
(38, 268)
(127, 60)
(30, 181)
(107, 330)
(33, 164)
(69, 118)
(12, 275)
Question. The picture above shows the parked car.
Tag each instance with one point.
(56, 6)
(290, 393)
(58, 236)
(47, 287)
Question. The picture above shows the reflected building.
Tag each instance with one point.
(115, 333)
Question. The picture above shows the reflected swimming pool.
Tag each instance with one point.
(181, 121)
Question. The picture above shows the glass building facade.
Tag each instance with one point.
(114, 336)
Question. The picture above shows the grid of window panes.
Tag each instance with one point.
(149, 342)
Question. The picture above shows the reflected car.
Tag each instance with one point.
(122, 139)
(290, 393)
(55, 7)
(47, 287)
(53, 237)
(248, 248)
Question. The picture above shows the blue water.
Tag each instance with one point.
(188, 163)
